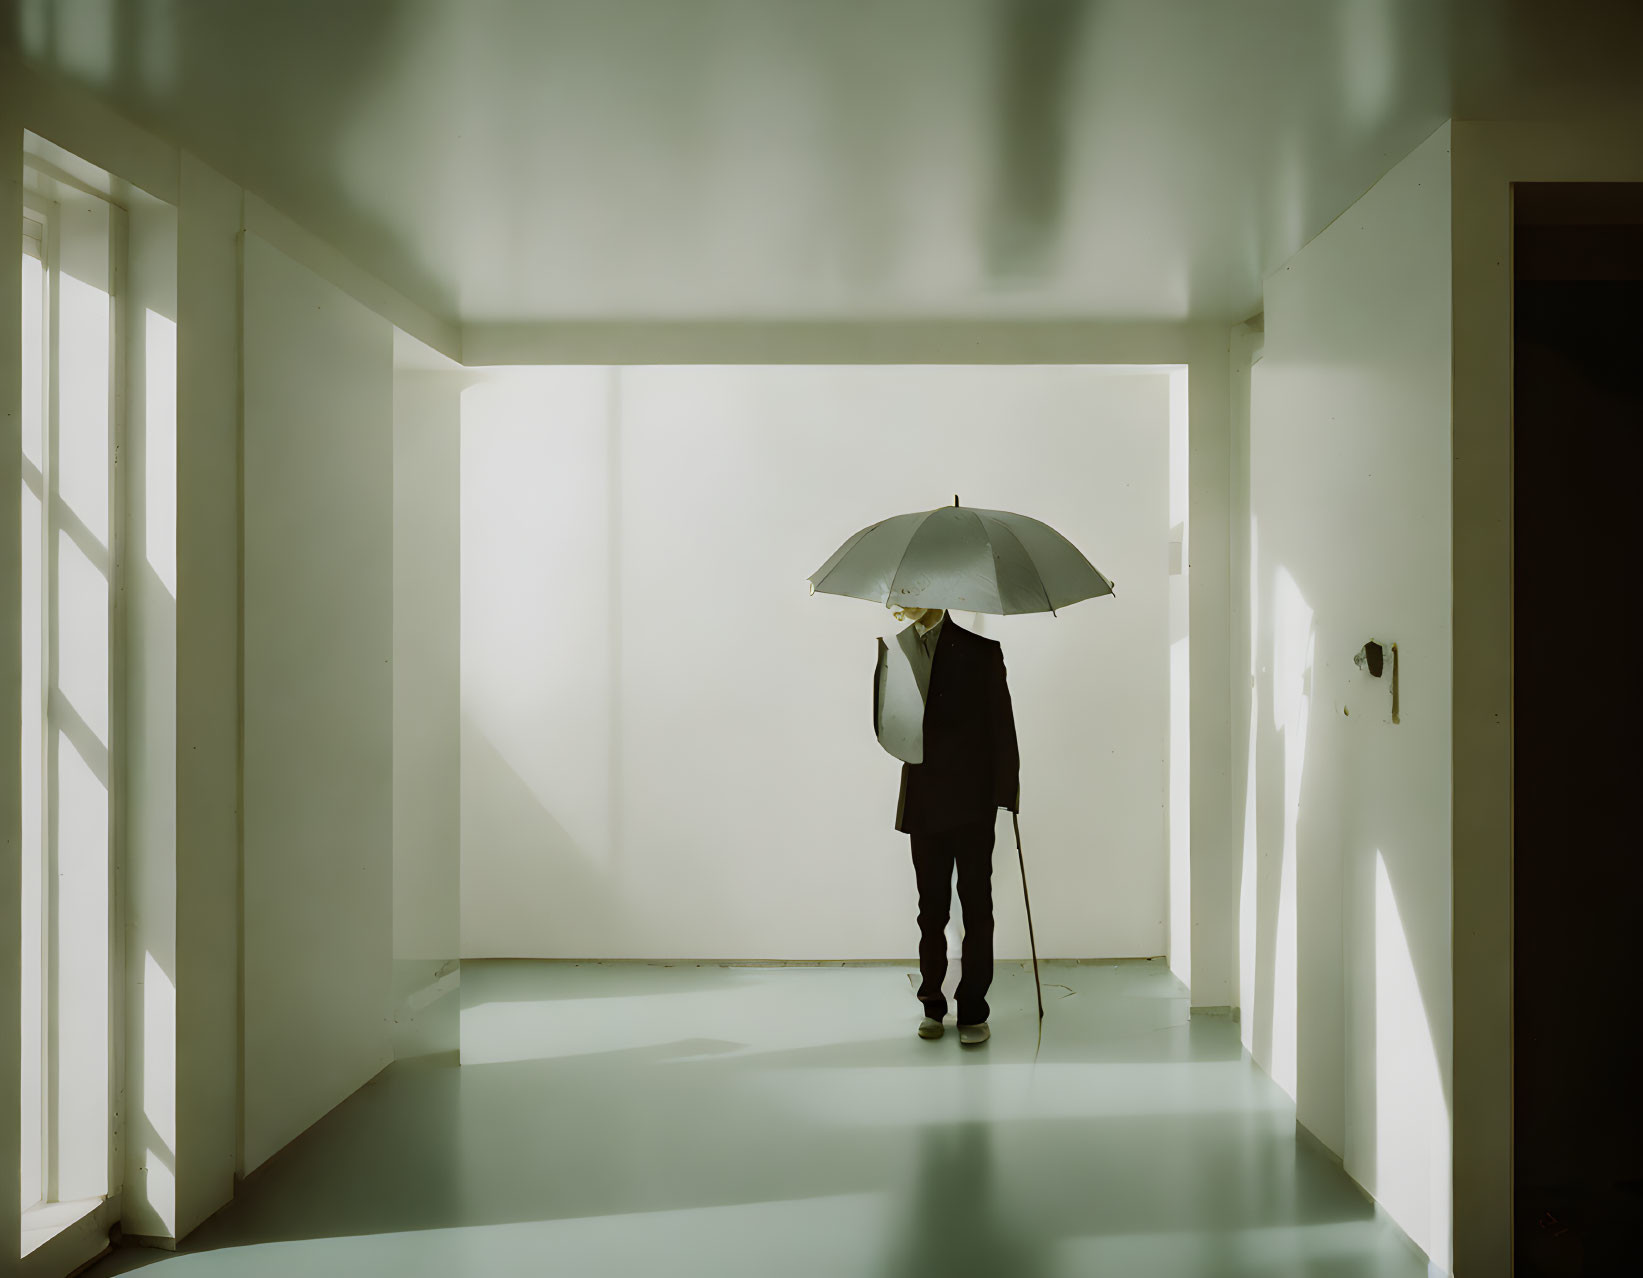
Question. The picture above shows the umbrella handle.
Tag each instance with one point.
(1015, 820)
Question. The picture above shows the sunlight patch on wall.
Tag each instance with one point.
(1412, 1150)
(1292, 654)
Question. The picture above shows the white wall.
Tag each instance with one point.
(1347, 856)
(1242, 644)
(666, 744)
(1207, 562)
(208, 688)
(318, 718)
(147, 325)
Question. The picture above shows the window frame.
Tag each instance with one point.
(50, 194)
(39, 242)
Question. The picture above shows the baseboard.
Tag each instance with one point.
(424, 1016)
(1305, 1136)
(74, 1244)
(155, 1241)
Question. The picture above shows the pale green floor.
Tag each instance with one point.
(628, 1119)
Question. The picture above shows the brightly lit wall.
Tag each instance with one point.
(666, 742)
(1345, 937)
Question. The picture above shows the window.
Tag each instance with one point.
(68, 720)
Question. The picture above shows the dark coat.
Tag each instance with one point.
(971, 767)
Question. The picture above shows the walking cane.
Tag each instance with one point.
(1015, 820)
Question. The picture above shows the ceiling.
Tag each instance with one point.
(521, 160)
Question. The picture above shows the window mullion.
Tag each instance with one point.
(50, 615)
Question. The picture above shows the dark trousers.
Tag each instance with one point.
(934, 855)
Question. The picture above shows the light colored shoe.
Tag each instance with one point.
(974, 1033)
(929, 1027)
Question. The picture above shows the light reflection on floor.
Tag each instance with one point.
(630, 1119)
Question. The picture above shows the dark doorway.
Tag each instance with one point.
(1578, 726)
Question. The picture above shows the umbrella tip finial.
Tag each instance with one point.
(955, 499)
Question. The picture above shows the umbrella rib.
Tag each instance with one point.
(1042, 588)
(890, 588)
(831, 566)
(987, 540)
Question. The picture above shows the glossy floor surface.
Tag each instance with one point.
(631, 1119)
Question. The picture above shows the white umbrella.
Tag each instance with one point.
(962, 558)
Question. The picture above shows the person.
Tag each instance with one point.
(968, 768)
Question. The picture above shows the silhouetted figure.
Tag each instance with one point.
(968, 768)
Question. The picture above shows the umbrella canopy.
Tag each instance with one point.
(959, 557)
